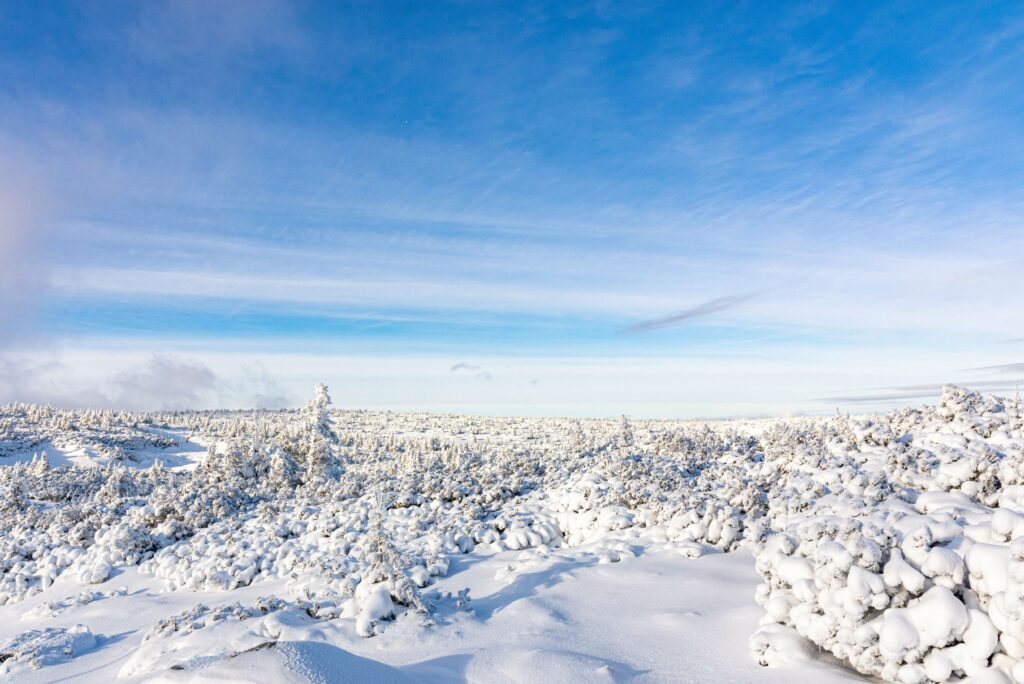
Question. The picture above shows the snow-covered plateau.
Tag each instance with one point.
(328, 545)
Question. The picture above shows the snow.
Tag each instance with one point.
(690, 624)
(38, 648)
(322, 544)
(298, 662)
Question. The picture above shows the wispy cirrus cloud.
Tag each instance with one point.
(708, 308)
(903, 394)
(206, 31)
(1002, 369)
(222, 161)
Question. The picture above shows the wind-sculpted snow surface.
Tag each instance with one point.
(892, 545)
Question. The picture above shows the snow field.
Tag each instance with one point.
(888, 545)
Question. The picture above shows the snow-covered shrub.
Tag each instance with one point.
(41, 647)
(898, 564)
(891, 541)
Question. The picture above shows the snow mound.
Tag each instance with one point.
(43, 647)
(203, 634)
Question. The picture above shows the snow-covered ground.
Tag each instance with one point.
(324, 545)
(659, 617)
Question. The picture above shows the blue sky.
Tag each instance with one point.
(817, 205)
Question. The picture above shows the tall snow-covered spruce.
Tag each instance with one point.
(320, 459)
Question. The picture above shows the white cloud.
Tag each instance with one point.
(258, 388)
(135, 380)
(476, 371)
(164, 382)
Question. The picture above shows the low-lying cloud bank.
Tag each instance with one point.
(164, 382)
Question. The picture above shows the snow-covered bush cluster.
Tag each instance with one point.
(894, 542)
(898, 541)
(114, 434)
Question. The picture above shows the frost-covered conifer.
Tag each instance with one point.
(321, 439)
(40, 464)
(13, 499)
(283, 472)
(626, 436)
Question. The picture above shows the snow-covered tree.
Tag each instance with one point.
(320, 459)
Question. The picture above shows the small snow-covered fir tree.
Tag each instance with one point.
(626, 436)
(117, 484)
(318, 413)
(40, 464)
(284, 472)
(156, 472)
(13, 499)
(384, 582)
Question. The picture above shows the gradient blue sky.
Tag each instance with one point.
(658, 209)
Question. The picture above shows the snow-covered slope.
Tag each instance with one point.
(325, 545)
